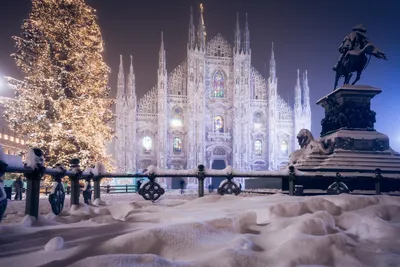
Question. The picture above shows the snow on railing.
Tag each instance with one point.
(34, 169)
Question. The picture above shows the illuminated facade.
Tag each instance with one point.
(213, 109)
(11, 143)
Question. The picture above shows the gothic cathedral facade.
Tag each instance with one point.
(214, 109)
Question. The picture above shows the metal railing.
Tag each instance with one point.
(151, 190)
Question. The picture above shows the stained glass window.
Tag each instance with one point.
(258, 147)
(219, 124)
(177, 146)
(284, 147)
(218, 84)
(147, 144)
(257, 121)
(177, 118)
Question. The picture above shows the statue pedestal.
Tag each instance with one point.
(348, 107)
(349, 142)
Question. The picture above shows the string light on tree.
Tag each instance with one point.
(62, 104)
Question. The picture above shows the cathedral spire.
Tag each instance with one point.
(121, 79)
(201, 31)
(246, 46)
(297, 94)
(306, 96)
(131, 90)
(192, 31)
(237, 34)
(272, 64)
(162, 69)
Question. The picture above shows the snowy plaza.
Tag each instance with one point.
(156, 134)
(245, 230)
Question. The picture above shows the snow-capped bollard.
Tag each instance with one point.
(35, 161)
(75, 188)
(378, 178)
(200, 178)
(57, 194)
(292, 180)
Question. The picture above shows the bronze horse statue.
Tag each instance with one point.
(356, 61)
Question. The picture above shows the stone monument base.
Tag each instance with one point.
(348, 143)
(351, 151)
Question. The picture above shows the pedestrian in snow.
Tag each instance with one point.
(18, 185)
(182, 184)
(3, 199)
(87, 191)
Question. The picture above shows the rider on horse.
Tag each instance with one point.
(356, 40)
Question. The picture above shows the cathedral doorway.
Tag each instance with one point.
(217, 164)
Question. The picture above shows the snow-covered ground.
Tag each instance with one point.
(249, 231)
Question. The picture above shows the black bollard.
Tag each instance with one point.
(96, 185)
(201, 177)
(75, 188)
(378, 178)
(33, 183)
(292, 178)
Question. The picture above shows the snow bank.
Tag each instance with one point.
(221, 231)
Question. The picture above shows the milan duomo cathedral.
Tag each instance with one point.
(214, 109)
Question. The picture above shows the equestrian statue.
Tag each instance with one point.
(355, 52)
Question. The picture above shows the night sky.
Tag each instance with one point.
(306, 35)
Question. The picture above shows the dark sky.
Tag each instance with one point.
(306, 35)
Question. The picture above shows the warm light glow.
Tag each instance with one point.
(177, 117)
(176, 122)
(258, 147)
(147, 143)
(62, 104)
(284, 147)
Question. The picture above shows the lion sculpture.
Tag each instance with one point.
(308, 145)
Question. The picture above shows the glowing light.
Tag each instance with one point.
(258, 147)
(147, 143)
(62, 102)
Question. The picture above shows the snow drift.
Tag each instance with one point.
(215, 230)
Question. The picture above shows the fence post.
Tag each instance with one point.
(292, 178)
(75, 187)
(96, 185)
(378, 178)
(200, 177)
(126, 188)
(33, 184)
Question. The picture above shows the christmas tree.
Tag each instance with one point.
(62, 103)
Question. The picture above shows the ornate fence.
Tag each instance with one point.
(34, 171)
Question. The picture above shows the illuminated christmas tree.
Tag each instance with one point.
(62, 103)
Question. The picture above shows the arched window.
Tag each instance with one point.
(257, 121)
(284, 148)
(218, 84)
(147, 144)
(177, 117)
(218, 124)
(177, 145)
(258, 147)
